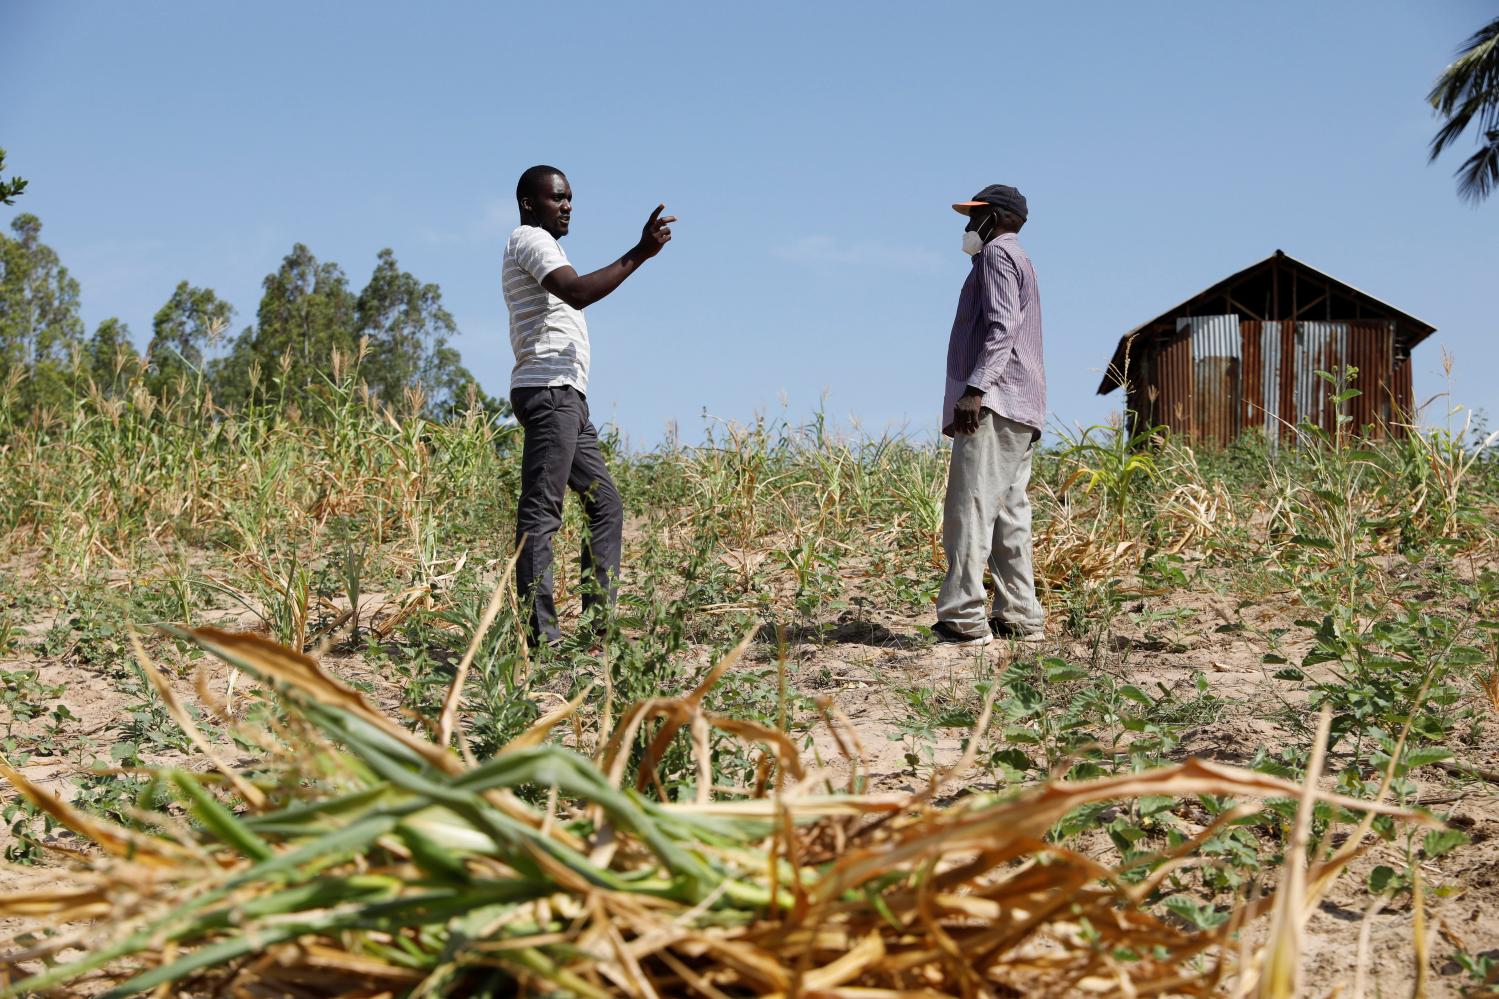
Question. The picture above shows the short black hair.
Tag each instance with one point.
(533, 176)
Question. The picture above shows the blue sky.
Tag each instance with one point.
(811, 151)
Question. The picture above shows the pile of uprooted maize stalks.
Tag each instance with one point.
(358, 859)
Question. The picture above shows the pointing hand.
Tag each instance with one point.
(656, 232)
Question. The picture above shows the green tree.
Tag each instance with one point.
(306, 311)
(408, 331)
(111, 357)
(183, 330)
(1467, 93)
(457, 389)
(40, 329)
(9, 189)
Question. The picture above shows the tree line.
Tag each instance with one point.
(307, 313)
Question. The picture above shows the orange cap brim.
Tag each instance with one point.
(966, 207)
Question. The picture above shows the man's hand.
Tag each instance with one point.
(655, 234)
(581, 291)
(967, 411)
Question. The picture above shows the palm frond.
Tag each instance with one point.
(1467, 93)
(1479, 175)
(1458, 121)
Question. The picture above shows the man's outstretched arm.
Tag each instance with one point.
(582, 290)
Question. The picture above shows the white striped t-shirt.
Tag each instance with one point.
(549, 337)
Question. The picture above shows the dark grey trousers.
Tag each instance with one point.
(561, 452)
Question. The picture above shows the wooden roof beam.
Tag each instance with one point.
(1239, 306)
(1302, 310)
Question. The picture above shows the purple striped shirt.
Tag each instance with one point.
(996, 337)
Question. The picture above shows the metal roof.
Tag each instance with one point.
(1420, 329)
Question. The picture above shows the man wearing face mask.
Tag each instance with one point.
(994, 409)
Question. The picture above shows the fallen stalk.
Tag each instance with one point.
(400, 868)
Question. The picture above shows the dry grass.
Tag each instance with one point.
(354, 858)
(369, 861)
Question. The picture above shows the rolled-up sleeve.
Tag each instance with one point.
(999, 304)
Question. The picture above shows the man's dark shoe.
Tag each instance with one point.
(1013, 633)
(946, 634)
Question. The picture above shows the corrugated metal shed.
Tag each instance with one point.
(1245, 352)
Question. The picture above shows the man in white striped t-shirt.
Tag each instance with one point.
(548, 391)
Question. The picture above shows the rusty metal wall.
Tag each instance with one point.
(1271, 353)
(1251, 376)
(1261, 402)
(1320, 346)
(1371, 349)
(1219, 375)
(1172, 378)
(1403, 403)
(1154, 383)
(1216, 347)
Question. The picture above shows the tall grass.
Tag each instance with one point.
(120, 477)
(351, 527)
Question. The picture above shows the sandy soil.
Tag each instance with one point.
(863, 664)
(1463, 886)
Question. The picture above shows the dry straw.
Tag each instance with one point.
(368, 861)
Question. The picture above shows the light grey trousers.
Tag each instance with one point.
(986, 519)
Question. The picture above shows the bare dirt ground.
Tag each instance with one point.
(1463, 887)
(863, 665)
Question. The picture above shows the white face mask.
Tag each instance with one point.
(972, 242)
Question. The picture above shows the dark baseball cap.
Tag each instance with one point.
(998, 195)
